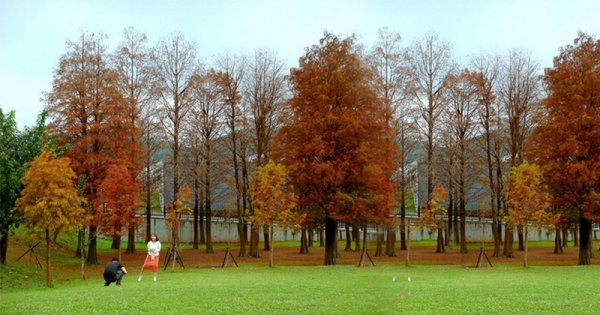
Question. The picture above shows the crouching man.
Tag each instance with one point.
(113, 272)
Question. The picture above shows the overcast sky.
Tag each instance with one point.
(33, 33)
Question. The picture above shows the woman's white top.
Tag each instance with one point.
(153, 248)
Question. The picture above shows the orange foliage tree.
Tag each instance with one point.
(117, 203)
(176, 209)
(566, 142)
(49, 200)
(528, 199)
(273, 200)
(432, 216)
(336, 143)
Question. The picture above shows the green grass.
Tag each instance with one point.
(325, 290)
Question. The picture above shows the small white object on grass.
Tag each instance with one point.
(394, 279)
(409, 279)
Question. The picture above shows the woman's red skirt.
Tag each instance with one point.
(151, 264)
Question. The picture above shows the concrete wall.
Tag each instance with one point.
(222, 231)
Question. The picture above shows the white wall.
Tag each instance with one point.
(476, 231)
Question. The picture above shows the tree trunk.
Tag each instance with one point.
(201, 220)
(80, 237)
(236, 177)
(245, 200)
(402, 233)
(356, 237)
(520, 234)
(330, 239)
(311, 233)
(348, 238)
(408, 244)
(335, 245)
(92, 257)
(267, 243)
(208, 198)
(526, 245)
(116, 242)
(391, 240)
(508, 241)
(148, 201)
(456, 225)
(321, 237)
(558, 242)
(585, 226)
(131, 240)
(461, 196)
(450, 216)
(575, 237)
(48, 281)
(209, 244)
(119, 251)
(379, 248)
(303, 242)
(430, 153)
(81, 247)
(254, 240)
(270, 227)
(440, 240)
(196, 212)
(565, 234)
(402, 205)
(492, 187)
(496, 234)
(242, 235)
(3, 248)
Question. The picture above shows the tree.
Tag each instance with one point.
(90, 115)
(18, 148)
(175, 64)
(528, 199)
(117, 202)
(430, 64)
(462, 110)
(176, 209)
(566, 143)
(485, 81)
(208, 110)
(265, 93)
(431, 218)
(520, 91)
(232, 69)
(132, 62)
(274, 200)
(49, 200)
(389, 61)
(336, 143)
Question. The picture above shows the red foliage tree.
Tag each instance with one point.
(92, 118)
(117, 202)
(336, 143)
(566, 142)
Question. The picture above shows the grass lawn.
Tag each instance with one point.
(325, 290)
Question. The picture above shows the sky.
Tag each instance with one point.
(33, 33)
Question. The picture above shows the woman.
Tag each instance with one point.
(151, 262)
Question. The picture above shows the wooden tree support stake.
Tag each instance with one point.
(480, 259)
(226, 258)
(361, 262)
(173, 253)
(31, 249)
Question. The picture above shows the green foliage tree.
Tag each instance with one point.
(17, 149)
(50, 200)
